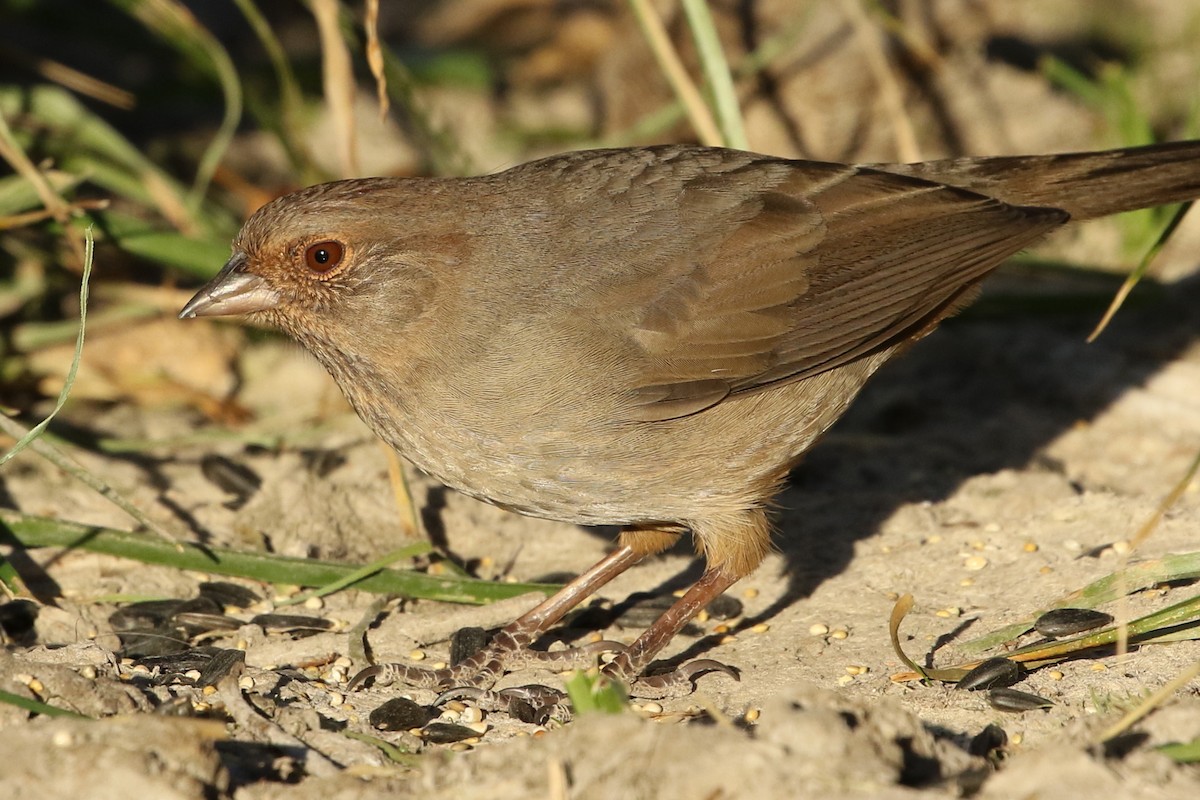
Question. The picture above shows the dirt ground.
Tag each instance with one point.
(1001, 464)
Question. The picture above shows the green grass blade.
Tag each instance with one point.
(32, 531)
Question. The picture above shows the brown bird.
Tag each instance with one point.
(645, 337)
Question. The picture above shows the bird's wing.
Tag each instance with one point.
(795, 268)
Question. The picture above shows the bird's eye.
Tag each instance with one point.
(324, 256)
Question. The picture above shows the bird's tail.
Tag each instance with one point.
(1086, 185)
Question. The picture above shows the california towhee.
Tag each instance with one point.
(647, 337)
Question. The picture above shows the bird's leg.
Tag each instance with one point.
(629, 664)
(510, 648)
(733, 546)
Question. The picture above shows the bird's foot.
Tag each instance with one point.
(506, 653)
(532, 703)
(679, 682)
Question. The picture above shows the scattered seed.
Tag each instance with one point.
(1122, 547)
(857, 669)
(343, 661)
(245, 683)
(438, 665)
(201, 706)
(1015, 701)
(727, 639)
(479, 727)
(752, 715)
(967, 582)
(651, 707)
(839, 633)
(416, 655)
(446, 733)
(296, 624)
(991, 673)
(88, 672)
(1055, 675)
(401, 714)
(461, 747)
(934, 538)
(62, 739)
(722, 628)
(817, 629)
(761, 627)
(750, 593)
(702, 616)
(845, 680)
(1030, 547)
(466, 642)
(193, 674)
(1068, 621)
(457, 706)
(336, 699)
(471, 715)
(36, 686)
(975, 563)
(208, 691)
(1098, 667)
(314, 603)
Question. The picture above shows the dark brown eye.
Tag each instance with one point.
(324, 256)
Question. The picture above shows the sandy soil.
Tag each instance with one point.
(1001, 464)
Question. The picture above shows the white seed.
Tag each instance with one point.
(818, 629)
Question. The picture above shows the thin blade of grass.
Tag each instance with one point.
(1140, 271)
(32, 531)
(1183, 566)
(399, 554)
(23, 441)
(175, 24)
(716, 72)
(1150, 703)
(375, 56)
(37, 706)
(673, 70)
(337, 74)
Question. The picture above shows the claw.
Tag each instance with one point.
(676, 683)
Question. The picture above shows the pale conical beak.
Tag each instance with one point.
(232, 291)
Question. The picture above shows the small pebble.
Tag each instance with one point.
(193, 674)
(817, 629)
(245, 683)
(975, 563)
